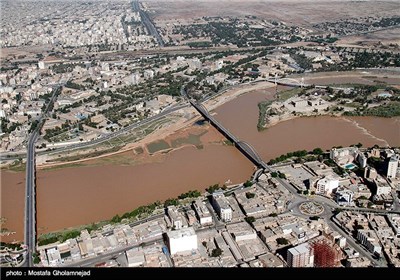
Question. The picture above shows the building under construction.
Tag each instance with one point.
(325, 254)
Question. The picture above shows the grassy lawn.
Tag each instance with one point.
(284, 95)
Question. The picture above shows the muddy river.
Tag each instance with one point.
(80, 195)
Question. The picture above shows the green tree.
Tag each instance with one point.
(116, 219)
(317, 151)
(212, 188)
(216, 252)
(171, 201)
(250, 195)
(282, 241)
(36, 258)
(247, 184)
(250, 219)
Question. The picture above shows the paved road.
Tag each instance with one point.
(147, 23)
(30, 207)
(30, 192)
(349, 239)
(90, 262)
(105, 138)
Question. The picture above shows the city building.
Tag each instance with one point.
(374, 153)
(53, 256)
(270, 260)
(181, 240)
(135, 78)
(219, 64)
(344, 197)
(299, 102)
(195, 63)
(326, 252)
(369, 239)
(358, 262)
(362, 160)
(392, 166)
(300, 256)
(191, 217)
(202, 212)
(175, 217)
(382, 187)
(135, 257)
(41, 65)
(148, 74)
(221, 206)
(326, 185)
(344, 156)
(370, 173)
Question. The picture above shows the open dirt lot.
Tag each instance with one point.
(303, 12)
(385, 37)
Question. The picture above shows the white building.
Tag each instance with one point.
(105, 66)
(64, 102)
(300, 256)
(219, 64)
(326, 185)
(148, 74)
(135, 257)
(182, 240)
(221, 206)
(369, 239)
(299, 102)
(342, 152)
(341, 241)
(344, 156)
(393, 164)
(175, 217)
(180, 60)
(202, 212)
(135, 78)
(344, 197)
(370, 173)
(382, 187)
(195, 63)
(245, 235)
(41, 65)
(362, 160)
(53, 256)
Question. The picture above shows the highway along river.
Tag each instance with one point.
(73, 196)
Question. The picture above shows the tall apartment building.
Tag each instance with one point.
(300, 256)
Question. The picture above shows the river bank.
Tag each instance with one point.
(195, 157)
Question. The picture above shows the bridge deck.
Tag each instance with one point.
(243, 146)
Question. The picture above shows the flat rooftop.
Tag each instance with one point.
(175, 234)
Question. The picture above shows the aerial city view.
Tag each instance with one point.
(199, 133)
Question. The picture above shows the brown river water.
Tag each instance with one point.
(81, 195)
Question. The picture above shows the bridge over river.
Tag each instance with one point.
(244, 147)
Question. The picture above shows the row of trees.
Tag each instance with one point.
(298, 154)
